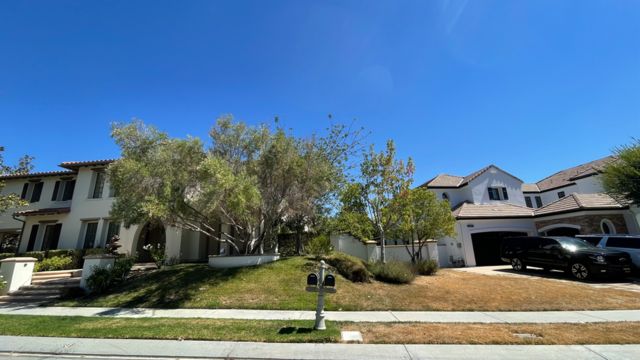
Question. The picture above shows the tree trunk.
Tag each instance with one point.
(383, 254)
(298, 241)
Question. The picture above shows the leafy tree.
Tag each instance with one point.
(352, 217)
(621, 178)
(250, 178)
(9, 201)
(368, 204)
(421, 216)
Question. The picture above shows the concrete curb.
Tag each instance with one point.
(17, 345)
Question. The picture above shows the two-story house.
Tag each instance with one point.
(69, 209)
(491, 204)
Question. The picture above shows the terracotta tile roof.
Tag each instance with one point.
(47, 211)
(76, 164)
(453, 181)
(530, 188)
(575, 202)
(488, 211)
(444, 180)
(37, 174)
(566, 177)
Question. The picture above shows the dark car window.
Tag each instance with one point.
(568, 242)
(624, 242)
(593, 240)
(548, 244)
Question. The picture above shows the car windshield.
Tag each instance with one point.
(573, 244)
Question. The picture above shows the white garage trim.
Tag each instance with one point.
(555, 226)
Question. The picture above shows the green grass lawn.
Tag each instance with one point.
(175, 329)
(280, 285)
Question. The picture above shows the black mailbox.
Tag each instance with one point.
(312, 280)
(329, 281)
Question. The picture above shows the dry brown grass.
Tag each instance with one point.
(547, 334)
(280, 285)
(452, 290)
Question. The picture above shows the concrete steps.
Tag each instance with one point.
(45, 286)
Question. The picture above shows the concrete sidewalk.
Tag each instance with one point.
(41, 347)
(543, 317)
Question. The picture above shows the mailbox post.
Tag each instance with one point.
(321, 284)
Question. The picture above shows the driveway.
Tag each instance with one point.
(630, 284)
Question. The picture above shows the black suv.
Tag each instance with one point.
(575, 256)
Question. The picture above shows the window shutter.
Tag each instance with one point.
(37, 191)
(56, 187)
(68, 190)
(32, 237)
(25, 188)
(504, 194)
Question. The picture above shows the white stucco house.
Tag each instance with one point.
(69, 209)
(490, 204)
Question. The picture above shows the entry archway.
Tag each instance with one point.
(154, 233)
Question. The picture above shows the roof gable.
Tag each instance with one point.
(574, 202)
(566, 177)
(453, 181)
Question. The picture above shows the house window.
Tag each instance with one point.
(607, 227)
(98, 185)
(538, 202)
(63, 190)
(445, 196)
(560, 194)
(498, 193)
(90, 231)
(112, 229)
(51, 237)
(32, 191)
(527, 200)
(112, 191)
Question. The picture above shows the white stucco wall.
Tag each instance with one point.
(371, 252)
(14, 186)
(496, 178)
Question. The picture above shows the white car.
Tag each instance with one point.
(627, 243)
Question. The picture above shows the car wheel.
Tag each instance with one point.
(580, 271)
(518, 265)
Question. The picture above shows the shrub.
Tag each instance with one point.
(95, 251)
(2, 282)
(104, 278)
(350, 267)
(75, 255)
(426, 267)
(157, 252)
(122, 268)
(319, 246)
(39, 255)
(100, 280)
(6, 255)
(394, 272)
(54, 263)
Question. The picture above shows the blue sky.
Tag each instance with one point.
(532, 86)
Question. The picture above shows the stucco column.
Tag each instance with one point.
(92, 262)
(16, 272)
